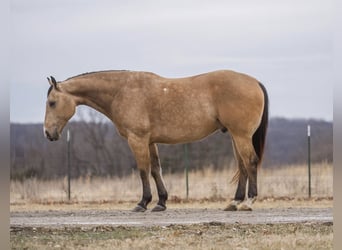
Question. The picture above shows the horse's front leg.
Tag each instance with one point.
(140, 149)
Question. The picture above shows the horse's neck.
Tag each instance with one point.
(97, 94)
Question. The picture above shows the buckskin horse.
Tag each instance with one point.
(148, 109)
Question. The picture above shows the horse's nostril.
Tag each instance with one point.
(47, 134)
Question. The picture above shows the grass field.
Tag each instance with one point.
(283, 181)
(200, 236)
(284, 187)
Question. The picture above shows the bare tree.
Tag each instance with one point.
(98, 149)
(107, 152)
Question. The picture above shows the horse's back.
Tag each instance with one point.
(176, 110)
(199, 105)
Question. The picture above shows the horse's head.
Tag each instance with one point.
(60, 107)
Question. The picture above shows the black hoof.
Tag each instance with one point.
(231, 207)
(139, 208)
(159, 208)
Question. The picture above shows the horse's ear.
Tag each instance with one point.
(52, 82)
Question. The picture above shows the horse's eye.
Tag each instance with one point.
(52, 104)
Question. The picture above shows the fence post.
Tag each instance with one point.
(309, 160)
(69, 167)
(186, 170)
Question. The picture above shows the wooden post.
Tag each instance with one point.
(186, 170)
(69, 167)
(309, 160)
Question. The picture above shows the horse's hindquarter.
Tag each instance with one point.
(239, 101)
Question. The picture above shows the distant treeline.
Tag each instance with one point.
(98, 150)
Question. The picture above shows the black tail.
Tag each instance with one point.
(259, 136)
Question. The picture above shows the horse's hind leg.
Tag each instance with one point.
(241, 177)
(140, 149)
(157, 176)
(247, 153)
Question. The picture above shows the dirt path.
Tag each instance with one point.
(186, 216)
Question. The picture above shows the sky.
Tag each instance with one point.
(286, 45)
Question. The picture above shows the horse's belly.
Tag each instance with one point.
(182, 132)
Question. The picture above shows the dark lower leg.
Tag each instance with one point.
(252, 182)
(147, 196)
(140, 149)
(242, 181)
(252, 190)
(250, 161)
(157, 176)
(240, 193)
(162, 193)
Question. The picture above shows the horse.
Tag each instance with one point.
(148, 109)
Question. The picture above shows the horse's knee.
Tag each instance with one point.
(141, 151)
(155, 171)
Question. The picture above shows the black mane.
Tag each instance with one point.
(87, 73)
(94, 72)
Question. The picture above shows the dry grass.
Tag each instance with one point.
(282, 186)
(283, 181)
(200, 236)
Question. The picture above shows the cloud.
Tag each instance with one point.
(271, 40)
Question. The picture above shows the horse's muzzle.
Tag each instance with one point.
(51, 136)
